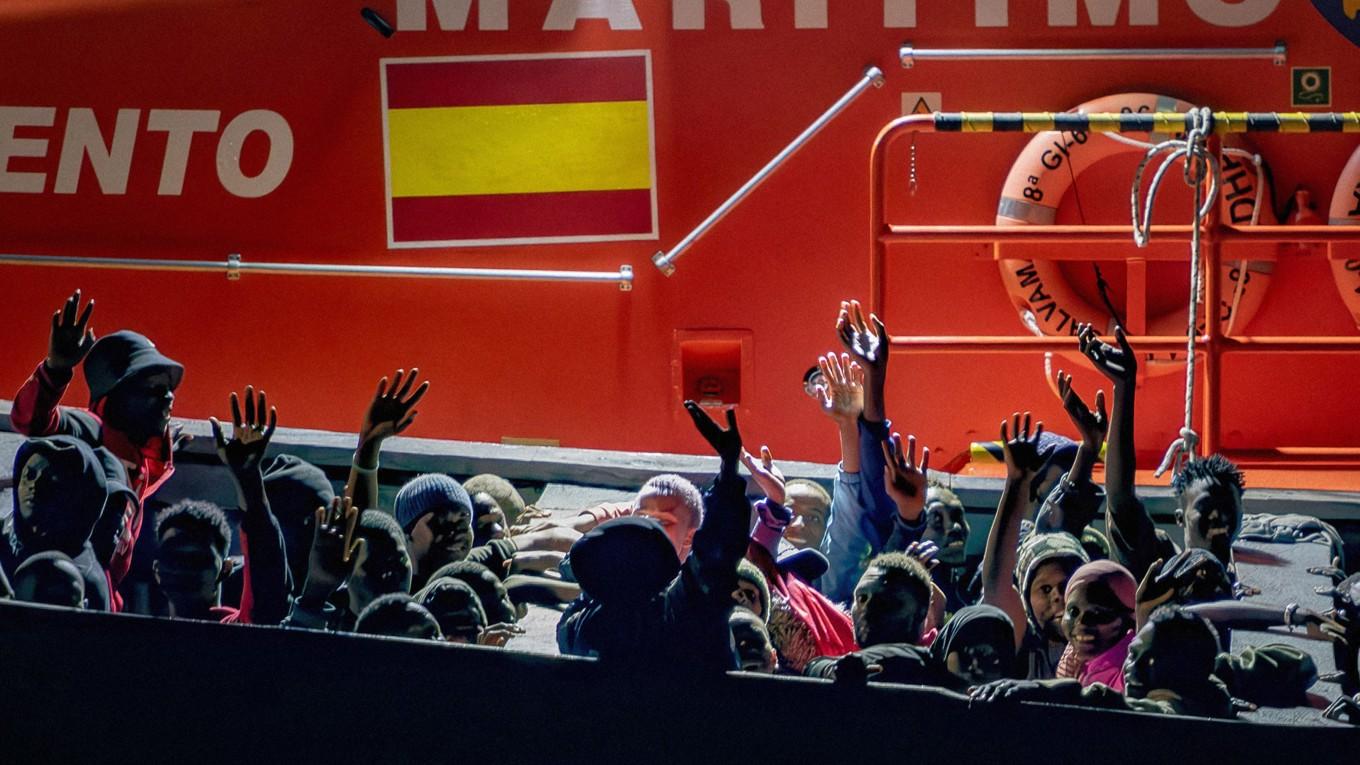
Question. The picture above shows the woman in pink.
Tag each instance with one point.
(1098, 621)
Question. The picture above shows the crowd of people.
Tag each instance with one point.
(869, 581)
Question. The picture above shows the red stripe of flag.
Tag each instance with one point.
(507, 216)
(516, 81)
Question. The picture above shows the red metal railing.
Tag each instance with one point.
(1212, 345)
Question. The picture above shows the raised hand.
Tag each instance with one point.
(334, 548)
(1151, 594)
(769, 478)
(393, 408)
(1092, 425)
(904, 478)
(1022, 452)
(727, 443)
(498, 635)
(1119, 364)
(249, 435)
(866, 340)
(842, 395)
(924, 552)
(71, 337)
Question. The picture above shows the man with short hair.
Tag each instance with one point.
(132, 390)
(397, 615)
(191, 560)
(889, 611)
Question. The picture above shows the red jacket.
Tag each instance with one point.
(37, 412)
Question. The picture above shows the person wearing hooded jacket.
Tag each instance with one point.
(63, 489)
(639, 603)
(132, 388)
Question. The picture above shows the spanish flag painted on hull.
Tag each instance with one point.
(485, 150)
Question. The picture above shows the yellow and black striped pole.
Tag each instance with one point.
(1149, 122)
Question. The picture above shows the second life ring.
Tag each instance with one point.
(1345, 211)
(1050, 165)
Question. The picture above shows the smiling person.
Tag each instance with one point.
(132, 390)
(1099, 623)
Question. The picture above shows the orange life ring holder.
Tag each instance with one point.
(1345, 211)
(1043, 173)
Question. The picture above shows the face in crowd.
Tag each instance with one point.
(1094, 619)
(1047, 597)
(489, 522)
(141, 406)
(191, 559)
(811, 505)
(441, 537)
(1209, 494)
(755, 652)
(383, 566)
(890, 601)
(677, 508)
(946, 526)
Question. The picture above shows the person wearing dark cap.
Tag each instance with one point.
(132, 389)
(436, 514)
(639, 603)
(63, 491)
(50, 578)
(295, 489)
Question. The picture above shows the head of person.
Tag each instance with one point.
(1175, 650)
(946, 525)
(499, 489)
(383, 566)
(811, 505)
(814, 381)
(435, 513)
(977, 645)
(51, 578)
(60, 490)
(191, 555)
(1058, 453)
(488, 519)
(750, 636)
(456, 607)
(132, 385)
(1209, 504)
(1099, 608)
(296, 488)
(491, 592)
(625, 562)
(676, 504)
(397, 615)
(753, 592)
(1043, 566)
(891, 601)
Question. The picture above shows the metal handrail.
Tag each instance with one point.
(666, 260)
(234, 266)
(909, 54)
(1211, 344)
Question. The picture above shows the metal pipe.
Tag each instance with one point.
(1113, 234)
(666, 260)
(909, 54)
(233, 267)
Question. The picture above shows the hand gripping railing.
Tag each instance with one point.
(873, 76)
(233, 267)
(1212, 344)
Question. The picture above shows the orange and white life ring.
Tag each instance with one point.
(1345, 211)
(1034, 189)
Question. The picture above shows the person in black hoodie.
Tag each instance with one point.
(639, 604)
(61, 491)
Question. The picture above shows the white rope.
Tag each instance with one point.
(1256, 162)
(1200, 166)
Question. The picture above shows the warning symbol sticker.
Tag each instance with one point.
(921, 103)
(1311, 86)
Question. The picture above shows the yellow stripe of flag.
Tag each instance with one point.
(519, 149)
